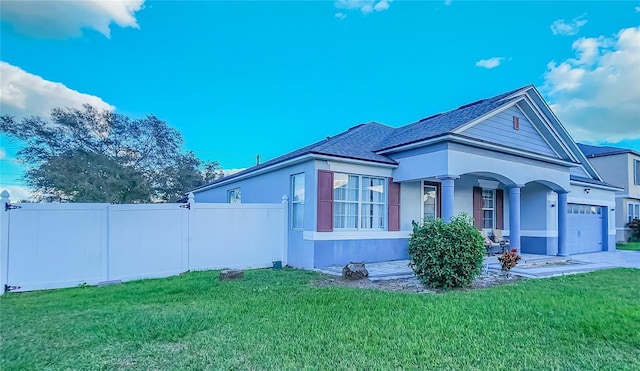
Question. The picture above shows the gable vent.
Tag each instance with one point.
(516, 123)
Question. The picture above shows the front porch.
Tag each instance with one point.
(532, 216)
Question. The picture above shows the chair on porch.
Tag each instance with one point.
(488, 244)
(499, 239)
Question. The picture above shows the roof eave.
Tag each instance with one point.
(290, 162)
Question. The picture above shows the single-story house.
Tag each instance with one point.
(621, 167)
(507, 161)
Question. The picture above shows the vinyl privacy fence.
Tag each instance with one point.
(45, 246)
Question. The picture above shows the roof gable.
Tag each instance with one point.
(500, 129)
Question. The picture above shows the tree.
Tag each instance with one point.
(81, 176)
(102, 156)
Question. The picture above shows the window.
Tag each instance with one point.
(584, 209)
(359, 202)
(429, 201)
(372, 206)
(234, 196)
(636, 172)
(633, 211)
(488, 208)
(297, 201)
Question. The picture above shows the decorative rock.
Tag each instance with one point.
(231, 274)
(355, 271)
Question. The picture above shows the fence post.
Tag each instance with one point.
(285, 230)
(105, 247)
(186, 244)
(4, 240)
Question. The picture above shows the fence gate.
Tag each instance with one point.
(55, 245)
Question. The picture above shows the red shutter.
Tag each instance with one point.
(477, 207)
(499, 209)
(394, 205)
(325, 201)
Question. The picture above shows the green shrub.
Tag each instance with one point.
(446, 254)
(634, 225)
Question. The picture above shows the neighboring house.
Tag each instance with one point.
(506, 160)
(621, 167)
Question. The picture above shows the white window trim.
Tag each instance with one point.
(359, 203)
(493, 209)
(294, 202)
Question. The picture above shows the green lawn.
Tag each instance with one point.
(277, 320)
(634, 246)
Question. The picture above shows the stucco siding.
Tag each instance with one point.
(540, 245)
(410, 204)
(458, 159)
(534, 207)
(341, 252)
(499, 129)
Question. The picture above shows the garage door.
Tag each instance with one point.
(584, 228)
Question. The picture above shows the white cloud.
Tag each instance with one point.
(59, 19)
(365, 6)
(597, 94)
(340, 15)
(489, 63)
(560, 27)
(382, 5)
(447, 2)
(637, 9)
(3, 154)
(24, 94)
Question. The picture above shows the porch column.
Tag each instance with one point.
(514, 217)
(447, 196)
(562, 224)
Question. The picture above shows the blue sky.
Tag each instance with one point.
(242, 78)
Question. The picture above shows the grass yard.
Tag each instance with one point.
(277, 320)
(633, 246)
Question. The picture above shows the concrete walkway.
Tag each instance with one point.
(531, 266)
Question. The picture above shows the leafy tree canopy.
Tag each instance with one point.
(87, 155)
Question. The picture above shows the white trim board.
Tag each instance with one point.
(538, 233)
(353, 235)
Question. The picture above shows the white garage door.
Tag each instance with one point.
(584, 228)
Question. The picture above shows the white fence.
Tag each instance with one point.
(45, 246)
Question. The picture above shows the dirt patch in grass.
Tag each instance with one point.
(411, 284)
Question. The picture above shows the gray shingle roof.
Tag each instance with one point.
(362, 142)
(444, 123)
(598, 151)
(357, 143)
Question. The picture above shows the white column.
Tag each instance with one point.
(562, 224)
(514, 217)
(448, 189)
